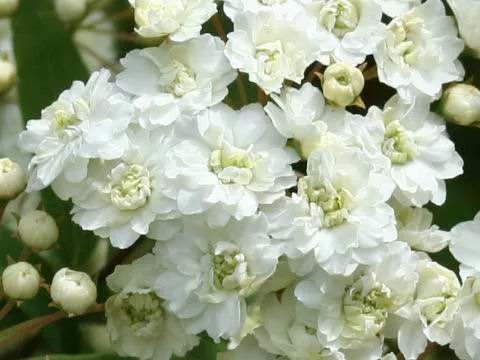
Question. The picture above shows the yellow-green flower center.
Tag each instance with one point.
(398, 144)
(133, 188)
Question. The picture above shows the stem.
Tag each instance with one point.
(261, 96)
(241, 89)
(6, 309)
(428, 351)
(370, 74)
(311, 75)
(219, 27)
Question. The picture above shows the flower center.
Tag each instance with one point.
(232, 165)
(402, 46)
(230, 270)
(131, 186)
(335, 203)
(434, 309)
(398, 144)
(142, 309)
(179, 79)
(339, 17)
(367, 313)
(269, 56)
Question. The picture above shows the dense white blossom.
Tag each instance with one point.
(87, 121)
(138, 323)
(419, 52)
(235, 7)
(465, 246)
(466, 13)
(170, 79)
(395, 8)
(420, 152)
(228, 163)
(339, 214)
(121, 198)
(348, 30)
(180, 20)
(209, 273)
(271, 48)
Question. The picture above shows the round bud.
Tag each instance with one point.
(12, 179)
(73, 291)
(461, 104)
(342, 84)
(20, 281)
(8, 76)
(8, 7)
(70, 10)
(38, 230)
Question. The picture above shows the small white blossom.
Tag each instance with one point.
(20, 281)
(138, 323)
(415, 227)
(169, 79)
(209, 273)
(342, 84)
(248, 349)
(86, 121)
(271, 47)
(395, 8)
(234, 7)
(419, 52)
(180, 20)
(348, 30)
(120, 199)
(466, 13)
(465, 247)
(12, 179)
(339, 213)
(38, 230)
(420, 153)
(461, 104)
(227, 163)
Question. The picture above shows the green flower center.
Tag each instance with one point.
(232, 165)
(182, 79)
(230, 270)
(132, 190)
(269, 56)
(142, 309)
(398, 144)
(339, 17)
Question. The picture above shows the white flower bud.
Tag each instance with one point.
(12, 179)
(8, 7)
(20, 281)
(461, 104)
(73, 291)
(8, 75)
(38, 230)
(70, 10)
(342, 83)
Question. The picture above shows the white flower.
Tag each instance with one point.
(289, 330)
(395, 8)
(339, 213)
(169, 79)
(138, 323)
(180, 20)
(20, 281)
(420, 152)
(87, 121)
(234, 7)
(120, 199)
(12, 179)
(349, 30)
(430, 316)
(415, 227)
(420, 51)
(210, 273)
(466, 13)
(461, 104)
(466, 333)
(271, 47)
(464, 245)
(342, 83)
(302, 115)
(227, 163)
(353, 311)
(38, 230)
(248, 349)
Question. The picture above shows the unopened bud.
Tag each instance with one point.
(38, 230)
(73, 291)
(20, 281)
(12, 179)
(70, 10)
(8, 75)
(461, 104)
(342, 84)
(8, 7)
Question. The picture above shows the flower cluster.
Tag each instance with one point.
(291, 229)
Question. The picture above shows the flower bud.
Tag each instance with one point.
(461, 104)
(342, 84)
(8, 7)
(38, 230)
(20, 281)
(70, 10)
(8, 75)
(73, 291)
(12, 179)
